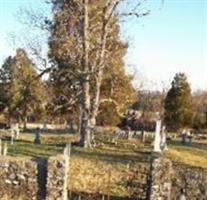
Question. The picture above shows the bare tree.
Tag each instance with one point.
(109, 10)
(83, 39)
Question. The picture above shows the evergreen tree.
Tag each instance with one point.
(199, 110)
(5, 78)
(24, 91)
(84, 46)
(178, 103)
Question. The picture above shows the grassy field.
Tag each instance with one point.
(192, 155)
(103, 169)
(99, 170)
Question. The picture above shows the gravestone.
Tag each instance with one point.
(12, 138)
(17, 131)
(163, 143)
(5, 149)
(67, 150)
(37, 136)
(143, 136)
(184, 137)
(12, 131)
(157, 139)
(45, 124)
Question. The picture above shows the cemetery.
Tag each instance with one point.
(117, 168)
(103, 100)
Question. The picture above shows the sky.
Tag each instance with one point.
(173, 38)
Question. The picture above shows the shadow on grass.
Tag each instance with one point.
(93, 196)
(33, 150)
(123, 152)
(51, 131)
(55, 142)
(113, 156)
(194, 144)
(8, 139)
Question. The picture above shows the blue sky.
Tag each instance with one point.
(172, 39)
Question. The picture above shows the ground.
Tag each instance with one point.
(193, 155)
(105, 167)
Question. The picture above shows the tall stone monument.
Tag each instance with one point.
(157, 139)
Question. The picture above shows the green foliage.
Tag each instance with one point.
(178, 103)
(5, 78)
(108, 115)
(23, 89)
(200, 110)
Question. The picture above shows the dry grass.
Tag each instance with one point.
(192, 155)
(93, 176)
(104, 168)
(99, 170)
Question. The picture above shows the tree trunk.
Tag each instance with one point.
(96, 100)
(90, 111)
(25, 122)
(9, 122)
(99, 75)
(79, 119)
(85, 129)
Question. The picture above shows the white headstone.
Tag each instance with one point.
(157, 137)
(5, 149)
(67, 150)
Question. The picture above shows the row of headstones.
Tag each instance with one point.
(15, 134)
(160, 143)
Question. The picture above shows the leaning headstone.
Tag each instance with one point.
(37, 136)
(157, 137)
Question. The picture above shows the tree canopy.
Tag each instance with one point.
(23, 91)
(178, 103)
(87, 53)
